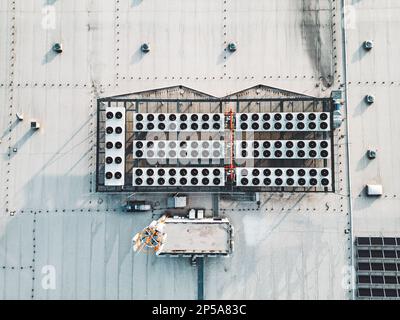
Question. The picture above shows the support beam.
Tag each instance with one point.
(215, 205)
(200, 278)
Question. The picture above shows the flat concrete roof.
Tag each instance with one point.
(50, 213)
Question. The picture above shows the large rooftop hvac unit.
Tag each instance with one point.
(178, 149)
(189, 122)
(292, 150)
(282, 149)
(115, 146)
(283, 121)
(283, 177)
(174, 177)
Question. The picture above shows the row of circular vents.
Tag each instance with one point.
(116, 175)
(268, 149)
(277, 121)
(179, 177)
(172, 144)
(285, 182)
(111, 115)
(283, 121)
(179, 121)
(178, 149)
(283, 149)
(281, 177)
(302, 177)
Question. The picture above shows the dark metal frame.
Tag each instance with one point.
(327, 106)
(370, 273)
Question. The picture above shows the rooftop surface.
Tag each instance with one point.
(292, 246)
